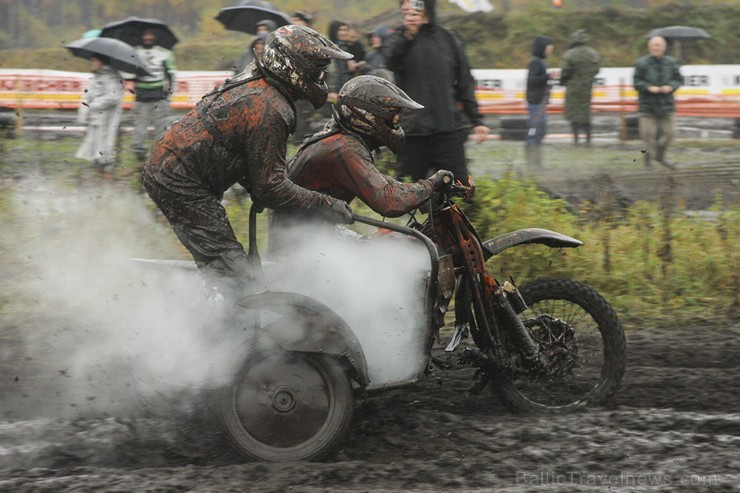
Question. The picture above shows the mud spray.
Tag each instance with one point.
(115, 331)
(99, 337)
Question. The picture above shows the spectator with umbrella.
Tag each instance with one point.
(255, 50)
(656, 77)
(256, 46)
(153, 42)
(101, 111)
(153, 92)
(302, 18)
(101, 104)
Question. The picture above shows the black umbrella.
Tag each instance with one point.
(132, 28)
(676, 34)
(122, 56)
(684, 33)
(244, 16)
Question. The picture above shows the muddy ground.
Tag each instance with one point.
(673, 426)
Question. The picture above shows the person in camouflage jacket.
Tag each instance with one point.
(579, 66)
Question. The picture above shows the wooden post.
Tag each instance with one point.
(622, 119)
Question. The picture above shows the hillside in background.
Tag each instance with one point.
(31, 37)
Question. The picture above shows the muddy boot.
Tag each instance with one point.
(574, 126)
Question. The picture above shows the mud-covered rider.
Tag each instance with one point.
(238, 133)
(339, 162)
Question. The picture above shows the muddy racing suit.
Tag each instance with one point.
(340, 163)
(237, 133)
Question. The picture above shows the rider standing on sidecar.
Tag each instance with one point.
(238, 133)
(338, 161)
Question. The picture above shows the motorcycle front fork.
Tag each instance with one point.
(506, 303)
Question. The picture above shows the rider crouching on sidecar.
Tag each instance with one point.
(339, 162)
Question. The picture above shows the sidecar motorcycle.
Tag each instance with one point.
(548, 346)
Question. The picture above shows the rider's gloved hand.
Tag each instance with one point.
(442, 179)
(471, 189)
(337, 211)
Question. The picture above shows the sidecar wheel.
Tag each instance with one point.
(595, 344)
(287, 406)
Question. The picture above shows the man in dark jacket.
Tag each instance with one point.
(429, 64)
(538, 93)
(656, 78)
(238, 133)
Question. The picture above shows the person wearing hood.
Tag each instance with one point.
(101, 110)
(302, 18)
(256, 48)
(429, 64)
(339, 72)
(538, 93)
(265, 27)
(262, 29)
(579, 66)
(375, 59)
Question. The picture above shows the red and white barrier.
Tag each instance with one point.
(709, 90)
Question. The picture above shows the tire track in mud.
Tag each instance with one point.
(434, 436)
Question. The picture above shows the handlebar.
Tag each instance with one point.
(459, 190)
(450, 187)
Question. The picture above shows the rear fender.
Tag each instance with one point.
(553, 239)
(306, 325)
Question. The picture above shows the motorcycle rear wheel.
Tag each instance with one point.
(287, 406)
(599, 361)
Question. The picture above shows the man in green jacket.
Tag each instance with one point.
(656, 78)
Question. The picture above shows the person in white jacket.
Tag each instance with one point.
(101, 110)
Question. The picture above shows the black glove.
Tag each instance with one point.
(442, 179)
(337, 211)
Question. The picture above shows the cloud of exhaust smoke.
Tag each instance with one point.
(98, 329)
(376, 285)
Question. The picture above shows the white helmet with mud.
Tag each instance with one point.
(371, 107)
(299, 57)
